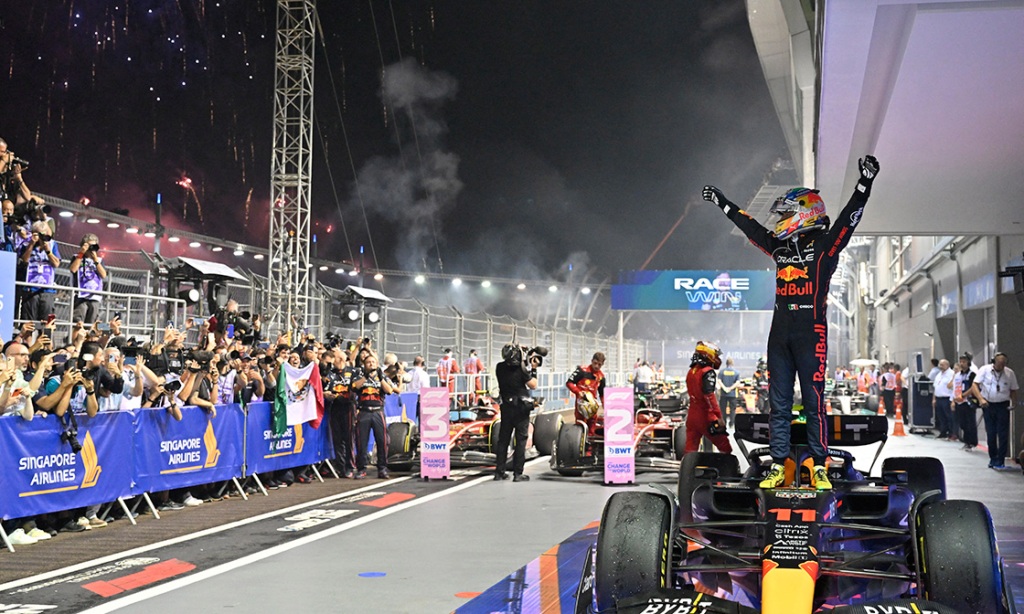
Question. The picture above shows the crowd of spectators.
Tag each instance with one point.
(100, 369)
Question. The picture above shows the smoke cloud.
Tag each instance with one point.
(412, 189)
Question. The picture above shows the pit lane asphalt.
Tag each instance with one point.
(436, 549)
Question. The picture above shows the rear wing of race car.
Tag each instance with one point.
(843, 430)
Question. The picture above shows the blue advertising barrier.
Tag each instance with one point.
(196, 450)
(299, 445)
(41, 474)
(131, 452)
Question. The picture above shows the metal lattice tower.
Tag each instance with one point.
(289, 287)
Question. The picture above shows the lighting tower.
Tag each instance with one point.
(289, 288)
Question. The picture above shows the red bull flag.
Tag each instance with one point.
(299, 398)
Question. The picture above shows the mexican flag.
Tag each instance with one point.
(299, 397)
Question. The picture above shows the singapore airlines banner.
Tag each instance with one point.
(694, 291)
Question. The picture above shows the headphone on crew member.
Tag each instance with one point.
(998, 354)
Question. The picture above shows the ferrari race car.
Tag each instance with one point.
(472, 437)
(658, 443)
(888, 544)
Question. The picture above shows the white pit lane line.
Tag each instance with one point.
(308, 539)
(184, 538)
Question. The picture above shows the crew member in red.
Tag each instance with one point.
(587, 384)
(704, 416)
(472, 366)
(447, 367)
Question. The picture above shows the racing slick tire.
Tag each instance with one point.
(679, 442)
(924, 473)
(545, 430)
(728, 466)
(960, 566)
(634, 547)
(492, 437)
(400, 444)
(569, 451)
(871, 403)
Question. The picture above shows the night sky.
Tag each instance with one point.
(549, 132)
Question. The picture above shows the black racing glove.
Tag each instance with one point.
(714, 195)
(868, 168)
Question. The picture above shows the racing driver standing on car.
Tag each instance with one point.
(704, 416)
(587, 384)
(806, 251)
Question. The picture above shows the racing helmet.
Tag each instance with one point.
(588, 405)
(707, 354)
(802, 210)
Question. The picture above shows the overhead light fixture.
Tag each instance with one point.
(194, 244)
(67, 214)
(584, 290)
(351, 312)
(217, 248)
(149, 234)
(552, 288)
(419, 279)
(926, 305)
(132, 230)
(92, 220)
(190, 296)
(373, 316)
(485, 283)
(456, 282)
(239, 252)
(353, 272)
(258, 256)
(113, 225)
(173, 239)
(323, 267)
(378, 276)
(339, 270)
(521, 286)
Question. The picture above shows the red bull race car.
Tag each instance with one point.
(871, 545)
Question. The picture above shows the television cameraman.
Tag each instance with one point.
(517, 376)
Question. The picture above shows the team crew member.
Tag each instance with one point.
(942, 399)
(889, 390)
(728, 382)
(472, 366)
(371, 386)
(806, 252)
(517, 376)
(704, 416)
(964, 399)
(447, 367)
(587, 385)
(996, 388)
(338, 391)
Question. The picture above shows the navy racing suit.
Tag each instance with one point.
(798, 340)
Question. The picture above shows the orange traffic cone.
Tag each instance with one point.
(828, 406)
(881, 406)
(897, 429)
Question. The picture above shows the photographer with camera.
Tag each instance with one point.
(229, 323)
(12, 227)
(517, 376)
(40, 255)
(87, 267)
(15, 393)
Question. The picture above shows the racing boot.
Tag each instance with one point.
(775, 478)
(821, 481)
